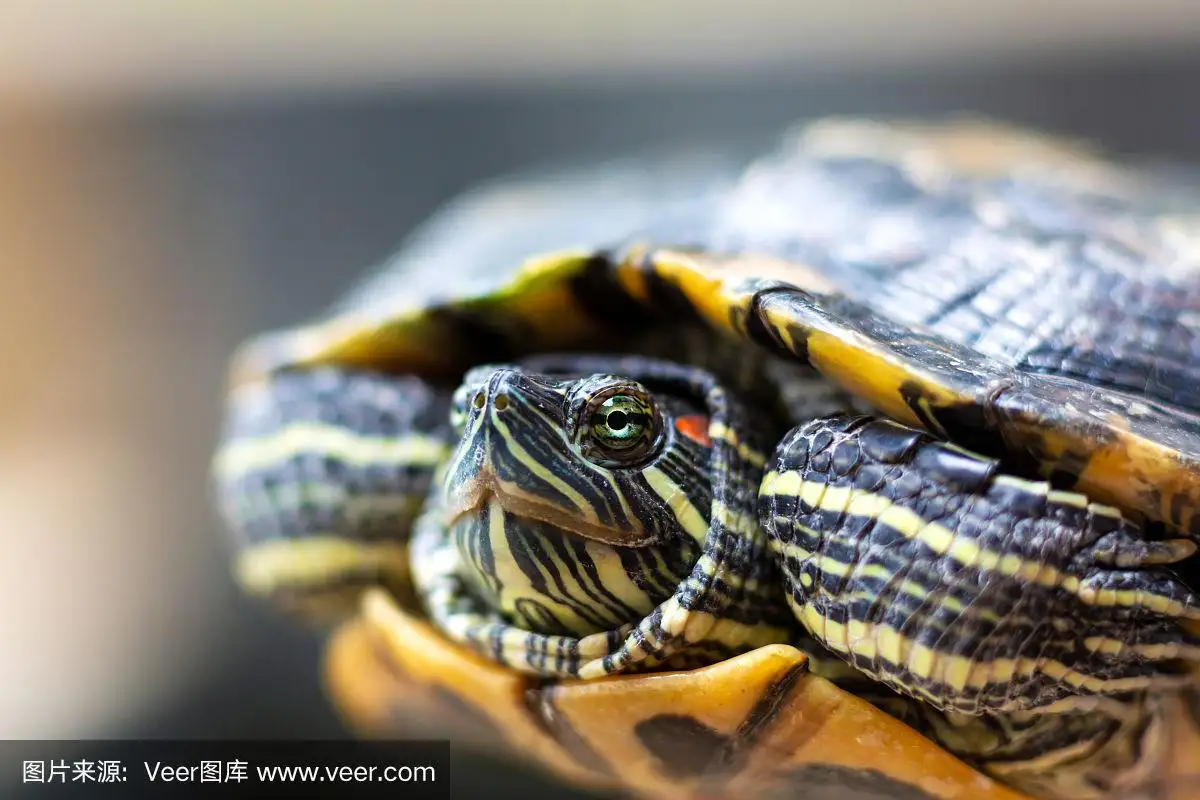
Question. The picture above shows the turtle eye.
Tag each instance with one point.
(621, 427)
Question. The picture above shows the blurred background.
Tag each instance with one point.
(175, 177)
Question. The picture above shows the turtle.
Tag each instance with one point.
(865, 467)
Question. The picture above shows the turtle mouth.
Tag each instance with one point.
(468, 498)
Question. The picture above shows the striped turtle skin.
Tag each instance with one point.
(572, 533)
(840, 429)
(953, 582)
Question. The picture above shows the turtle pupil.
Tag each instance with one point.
(616, 420)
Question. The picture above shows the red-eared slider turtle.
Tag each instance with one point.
(867, 469)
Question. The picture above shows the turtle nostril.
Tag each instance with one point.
(478, 400)
(501, 402)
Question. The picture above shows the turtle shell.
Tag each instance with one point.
(1047, 314)
(1013, 293)
(758, 726)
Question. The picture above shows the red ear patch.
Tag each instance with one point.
(695, 427)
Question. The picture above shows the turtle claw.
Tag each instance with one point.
(1129, 553)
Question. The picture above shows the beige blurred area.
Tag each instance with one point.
(115, 321)
(105, 580)
(52, 49)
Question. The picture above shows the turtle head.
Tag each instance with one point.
(600, 456)
(585, 477)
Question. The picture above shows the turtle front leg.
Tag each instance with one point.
(976, 592)
(319, 477)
